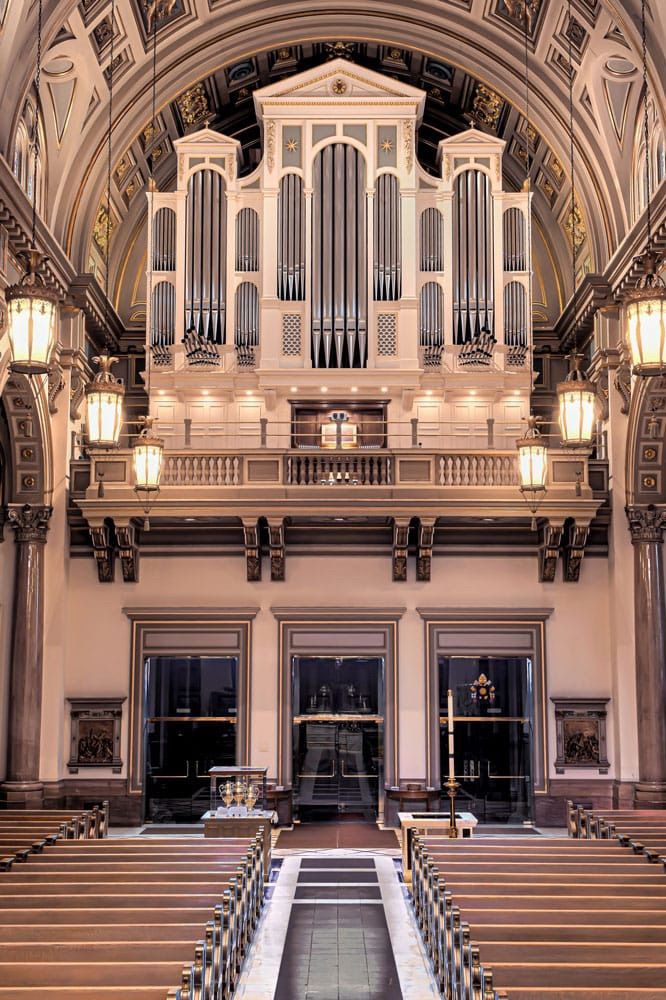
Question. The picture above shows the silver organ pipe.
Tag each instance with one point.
(431, 240)
(164, 240)
(246, 327)
(205, 274)
(515, 315)
(430, 315)
(163, 314)
(291, 239)
(339, 296)
(247, 240)
(513, 225)
(387, 253)
(473, 301)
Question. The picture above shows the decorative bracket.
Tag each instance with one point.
(56, 383)
(252, 550)
(103, 552)
(128, 551)
(549, 551)
(622, 383)
(574, 549)
(276, 545)
(424, 554)
(400, 548)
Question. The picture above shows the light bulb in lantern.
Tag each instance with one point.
(104, 397)
(32, 311)
(646, 320)
(578, 403)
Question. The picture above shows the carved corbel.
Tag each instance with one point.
(77, 391)
(574, 550)
(400, 548)
(622, 382)
(549, 552)
(276, 546)
(56, 380)
(424, 554)
(103, 552)
(128, 551)
(252, 550)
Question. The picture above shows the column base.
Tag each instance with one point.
(650, 795)
(22, 794)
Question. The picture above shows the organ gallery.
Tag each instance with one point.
(332, 499)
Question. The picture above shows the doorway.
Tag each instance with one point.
(338, 736)
(191, 715)
(493, 708)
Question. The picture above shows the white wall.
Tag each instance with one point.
(98, 633)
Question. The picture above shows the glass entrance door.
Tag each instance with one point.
(493, 717)
(190, 712)
(338, 751)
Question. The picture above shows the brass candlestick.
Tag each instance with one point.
(452, 787)
(228, 795)
(239, 792)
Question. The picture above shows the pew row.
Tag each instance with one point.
(171, 917)
(26, 832)
(551, 918)
(644, 831)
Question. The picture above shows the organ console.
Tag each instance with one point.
(339, 254)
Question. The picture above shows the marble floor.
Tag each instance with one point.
(337, 926)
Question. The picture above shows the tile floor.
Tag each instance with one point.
(337, 927)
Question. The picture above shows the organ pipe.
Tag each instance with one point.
(431, 240)
(387, 254)
(473, 299)
(205, 273)
(164, 240)
(163, 314)
(246, 327)
(430, 315)
(515, 315)
(291, 239)
(247, 240)
(339, 295)
(513, 225)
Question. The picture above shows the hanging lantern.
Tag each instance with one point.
(646, 321)
(577, 398)
(32, 310)
(147, 454)
(104, 397)
(532, 460)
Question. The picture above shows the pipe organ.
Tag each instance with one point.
(339, 252)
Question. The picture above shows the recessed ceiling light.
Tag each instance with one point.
(162, 392)
(324, 388)
(354, 388)
(472, 392)
(384, 388)
(204, 392)
(248, 392)
(294, 388)
(428, 392)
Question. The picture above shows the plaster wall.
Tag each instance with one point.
(7, 560)
(578, 634)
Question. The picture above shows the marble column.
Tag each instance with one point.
(22, 786)
(647, 526)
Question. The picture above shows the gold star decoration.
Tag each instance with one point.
(291, 145)
(387, 146)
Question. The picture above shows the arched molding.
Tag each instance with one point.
(29, 461)
(646, 443)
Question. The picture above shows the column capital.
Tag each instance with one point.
(30, 522)
(646, 524)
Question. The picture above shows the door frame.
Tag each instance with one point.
(186, 632)
(486, 632)
(337, 632)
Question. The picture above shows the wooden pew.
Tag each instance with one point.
(545, 932)
(134, 909)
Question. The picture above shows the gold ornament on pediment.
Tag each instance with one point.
(486, 107)
(339, 87)
(269, 129)
(193, 105)
(339, 50)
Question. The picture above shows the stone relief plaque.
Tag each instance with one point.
(95, 739)
(581, 733)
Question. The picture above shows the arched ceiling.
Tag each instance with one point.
(213, 53)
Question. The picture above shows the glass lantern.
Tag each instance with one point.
(577, 398)
(104, 398)
(532, 459)
(646, 322)
(147, 454)
(32, 311)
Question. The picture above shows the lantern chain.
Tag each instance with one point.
(35, 135)
(646, 125)
(107, 338)
(572, 166)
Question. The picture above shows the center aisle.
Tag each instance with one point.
(337, 927)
